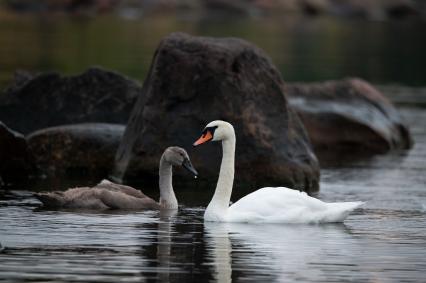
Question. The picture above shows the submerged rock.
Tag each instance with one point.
(348, 116)
(50, 99)
(194, 80)
(15, 161)
(87, 149)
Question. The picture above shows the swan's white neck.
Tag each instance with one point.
(218, 206)
(167, 195)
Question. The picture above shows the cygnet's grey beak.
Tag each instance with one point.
(188, 166)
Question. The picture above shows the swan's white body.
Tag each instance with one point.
(283, 205)
(266, 205)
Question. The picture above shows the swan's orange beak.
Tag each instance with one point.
(204, 138)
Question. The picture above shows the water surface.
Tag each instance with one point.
(384, 241)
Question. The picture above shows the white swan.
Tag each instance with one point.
(108, 195)
(269, 205)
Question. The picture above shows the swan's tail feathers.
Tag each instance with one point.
(349, 206)
(51, 199)
(105, 182)
(338, 211)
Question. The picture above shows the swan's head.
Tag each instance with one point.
(216, 131)
(178, 156)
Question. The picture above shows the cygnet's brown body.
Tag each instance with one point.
(108, 195)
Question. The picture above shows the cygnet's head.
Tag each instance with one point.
(179, 157)
(215, 131)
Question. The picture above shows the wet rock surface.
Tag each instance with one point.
(15, 160)
(194, 80)
(348, 116)
(49, 99)
(87, 149)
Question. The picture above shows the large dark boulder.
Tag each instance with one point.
(49, 99)
(87, 149)
(15, 161)
(194, 80)
(348, 116)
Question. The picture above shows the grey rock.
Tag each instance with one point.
(194, 80)
(15, 161)
(87, 149)
(49, 99)
(348, 116)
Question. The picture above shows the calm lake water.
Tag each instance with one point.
(304, 49)
(385, 241)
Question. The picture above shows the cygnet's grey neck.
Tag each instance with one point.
(167, 195)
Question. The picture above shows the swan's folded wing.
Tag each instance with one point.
(105, 184)
(119, 200)
(283, 205)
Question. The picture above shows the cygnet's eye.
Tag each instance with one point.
(182, 155)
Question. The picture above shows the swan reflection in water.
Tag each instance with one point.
(164, 244)
(225, 252)
(219, 245)
(279, 252)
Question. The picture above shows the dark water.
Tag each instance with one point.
(304, 49)
(383, 242)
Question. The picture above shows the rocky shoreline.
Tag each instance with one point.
(366, 9)
(101, 122)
